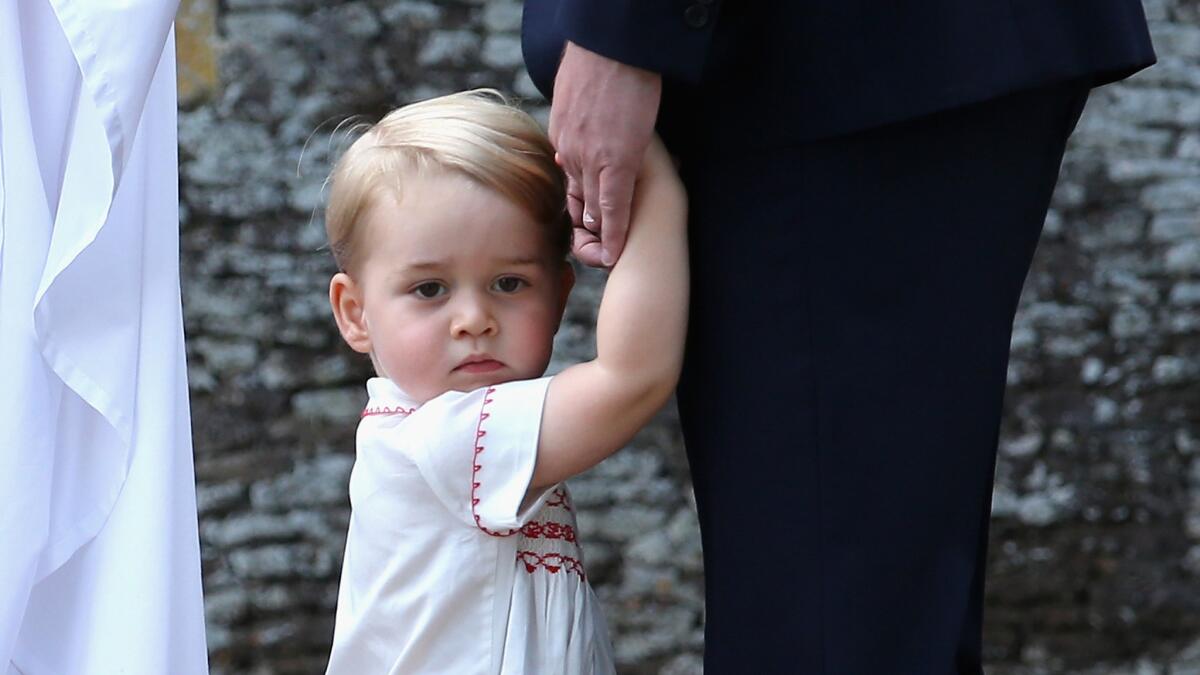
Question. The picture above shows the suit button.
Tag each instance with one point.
(696, 16)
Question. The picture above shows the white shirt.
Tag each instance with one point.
(99, 555)
(450, 567)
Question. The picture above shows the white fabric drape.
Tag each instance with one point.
(99, 554)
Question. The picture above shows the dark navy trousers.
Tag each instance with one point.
(852, 306)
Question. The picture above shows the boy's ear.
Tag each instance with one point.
(345, 297)
(567, 282)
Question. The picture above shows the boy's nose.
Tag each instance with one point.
(473, 318)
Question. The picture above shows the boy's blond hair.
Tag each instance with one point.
(478, 134)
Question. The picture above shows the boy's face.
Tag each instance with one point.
(456, 288)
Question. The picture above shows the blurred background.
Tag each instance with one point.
(1095, 542)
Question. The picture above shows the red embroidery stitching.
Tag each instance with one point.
(480, 432)
(549, 530)
(398, 410)
(551, 562)
(560, 498)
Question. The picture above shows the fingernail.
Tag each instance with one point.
(606, 258)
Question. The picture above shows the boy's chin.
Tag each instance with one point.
(471, 382)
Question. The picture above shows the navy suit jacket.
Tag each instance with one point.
(770, 71)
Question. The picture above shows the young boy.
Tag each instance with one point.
(447, 223)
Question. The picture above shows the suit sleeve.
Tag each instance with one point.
(671, 37)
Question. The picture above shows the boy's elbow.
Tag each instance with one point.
(657, 386)
(636, 386)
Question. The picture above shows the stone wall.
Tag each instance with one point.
(1095, 558)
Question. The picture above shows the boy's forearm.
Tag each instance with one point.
(642, 320)
(592, 409)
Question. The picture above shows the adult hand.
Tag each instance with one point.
(601, 121)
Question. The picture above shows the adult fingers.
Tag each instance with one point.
(575, 201)
(591, 218)
(586, 247)
(576, 196)
(616, 196)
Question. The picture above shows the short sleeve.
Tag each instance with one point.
(477, 451)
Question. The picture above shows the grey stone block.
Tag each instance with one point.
(502, 16)
(1185, 293)
(1130, 321)
(1184, 257)
(216, 497)
(323, 480)
(449, 47)
(261, 527)
(1172, 195)
(502, 51)
(1171, 227)
(413, 15)
(279, 561)
(336, 405)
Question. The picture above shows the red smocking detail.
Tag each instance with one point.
(551, 562)
(559, 498)
(384, 410)
(548, 530)
(476, 465)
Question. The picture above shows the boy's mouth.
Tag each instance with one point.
(479, 364)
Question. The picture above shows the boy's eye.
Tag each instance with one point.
(429, 289)
(509, 284)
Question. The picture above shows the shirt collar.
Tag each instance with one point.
(385, 398)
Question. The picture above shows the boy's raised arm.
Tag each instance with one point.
(593, 409)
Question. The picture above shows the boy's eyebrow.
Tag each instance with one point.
(521, 261)
(422, 265)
